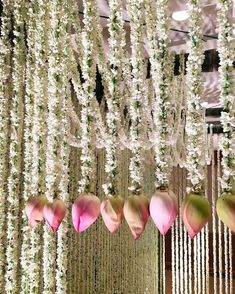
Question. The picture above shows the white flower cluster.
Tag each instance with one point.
(226, 54)
(136, 9)
(15, 149)
(5, 51)
(161, 73)
(116, 43)
(89, 76)
(195, 119)
(28, 123)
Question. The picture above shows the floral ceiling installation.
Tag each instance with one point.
(85, 132)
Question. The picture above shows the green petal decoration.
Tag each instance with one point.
(225, 208)
(195, 213)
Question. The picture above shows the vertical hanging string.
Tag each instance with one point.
(177, 261)
(219, 226)
(195, 272)
(226, 264)
(15, 149)
(5, 94)
(181, 264)
(28, 122)
(187, 265)
(214, 222)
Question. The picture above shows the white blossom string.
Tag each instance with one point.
(89, 75)
(15, 153)
(226, 85)
(40, 47)
(5, 93)
(160, 65)
(195, 112)
(64, 90)
(28, 122)
(117, 43)
(135, 9)
(54, 120)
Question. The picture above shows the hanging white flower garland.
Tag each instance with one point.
(160, 70)
(53, 162)
(62, 239)
(195, 112)
(135, 9)
(89, 75)
(16, 118)
(117, 43)
(5, 92)
(226, 54)
(25, 280)
(38, 133)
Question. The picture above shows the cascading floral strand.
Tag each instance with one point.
(63, 240)
(116, 42)
(226, 84)
(195, 112)
(5, 92)
(160, 70)
(38, 134)
(28, 122)
(89, 75)
(53, 162)
(136, 9)
(15, 162)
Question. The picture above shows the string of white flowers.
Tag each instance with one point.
(160, 65)
(89, 76)
(38, 134)
(16, 118)
(195, 113)
(63, 240)
(53, 162)
(116, 43)
(28, 122)
(136, 9)
(5, 92)
(226, 85)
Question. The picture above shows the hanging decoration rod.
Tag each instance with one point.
(172, 29)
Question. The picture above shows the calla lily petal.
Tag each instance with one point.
(163, 210)
(54, 212)
(195, 213)
(225, 208)
(112, 212)
(136, 213)
(34, 210)
(85, 211)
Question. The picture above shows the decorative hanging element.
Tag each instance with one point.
(87, 203)
(34, 210)
(15, 148)
(160, 63)
(136, 207)
(5, 94)
(54, 212)
(226, 203)
(195, 126)
(136, 213)
(112, 209)
(195, 212)
(163, 209)
(85, 211)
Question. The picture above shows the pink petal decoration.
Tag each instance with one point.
(195, 213)
(54, 212)
(136, 213)
(163, 210)
(112, 212)
(85, 211)
(34, 210)
(225, 208)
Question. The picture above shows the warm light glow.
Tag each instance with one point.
(180, 15)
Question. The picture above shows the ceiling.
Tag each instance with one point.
(178, 40)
